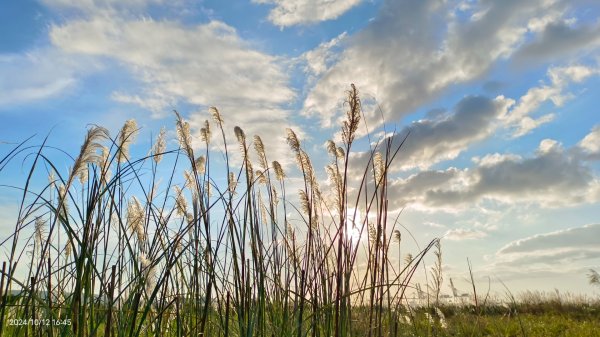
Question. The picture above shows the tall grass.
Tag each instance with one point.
(215, 247)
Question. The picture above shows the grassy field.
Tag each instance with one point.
(206, 239)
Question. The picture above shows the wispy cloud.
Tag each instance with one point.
(297, 12)
(203, 65)
(39, 74)
(460, 234)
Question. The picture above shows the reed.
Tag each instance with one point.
(112, 247)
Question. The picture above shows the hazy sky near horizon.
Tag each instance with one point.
(501, 99)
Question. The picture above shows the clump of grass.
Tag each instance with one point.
(214, 247)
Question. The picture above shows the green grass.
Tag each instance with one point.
(211, 242)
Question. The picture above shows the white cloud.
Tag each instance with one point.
(414, 50)
(584, 237)
(202, 65)
(319, 59)
(443, 137)
(297, 12)
(39, 74)
(590, 144)
(460, 234)
(543, 252)
(559, 38)
(519, 118)
(94, 6)
(553, 177)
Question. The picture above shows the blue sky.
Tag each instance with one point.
(500, 96)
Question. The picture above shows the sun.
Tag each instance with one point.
(354, 221)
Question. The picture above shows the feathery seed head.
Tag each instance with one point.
(205, 133)
(232, 183)
(350, 125)
(200, 164)
(126, 137)
(279, 174)
(260, 150)
(331, 148)
(397, 236)
(240, 135)
(39, 231)
(135, 218)
(340, 152)
(261, 177)
(51, 178)
(180, 202)
(216, 115)
(378, 167)
(159, 146)
(189, 179)
(292, 140)
(184, 135)
(89, 149)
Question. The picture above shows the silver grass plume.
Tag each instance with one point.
(205, 133)
(331, 148)
(39, 232)
(159, 146)
(135, 218)
(304, 202)
(126, 137)
(189, 179)
(262, 207)
(184, 136)
(261, 177)
(180, 202)
(340, 152)
(200, 164)
(105, 173)
(89, 150)
(408, 259)
(147, 272)
(232, 183)
(260, 150)
(208, 188)
(241, 138)
(279, 174)
(62, 201)
(378, 167)
(275, 197)
(350, 125)
(216, 116)
(83, 175)
(51, 178)
(68, 249)
(292, 140)
(397, 236)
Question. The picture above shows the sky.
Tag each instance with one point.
(500, 98)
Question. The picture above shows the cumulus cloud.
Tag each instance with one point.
(414, 50)
(590, 144)
(202, 65)
(445, 135)
(559, 39)
(297, 12)
(553, 177)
